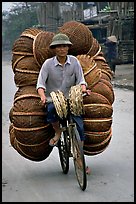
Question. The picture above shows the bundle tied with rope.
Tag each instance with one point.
(75, 101)
(60, 103)
(29, 52)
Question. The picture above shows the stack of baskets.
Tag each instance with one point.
(97, 107)
(29, 131)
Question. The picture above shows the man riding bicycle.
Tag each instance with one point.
(60, 72)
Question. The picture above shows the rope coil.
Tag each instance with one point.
(76, 100)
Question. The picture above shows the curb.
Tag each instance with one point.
(129, 87)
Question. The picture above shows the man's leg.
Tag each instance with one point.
(57, 129)
(53, 119)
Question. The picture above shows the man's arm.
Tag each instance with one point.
(42, 95)
(85, 90)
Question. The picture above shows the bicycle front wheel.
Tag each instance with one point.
(63, 147)
(79, 159)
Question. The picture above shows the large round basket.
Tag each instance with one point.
(31, 130)
(94, 149)
(41, 48)
(80, 36)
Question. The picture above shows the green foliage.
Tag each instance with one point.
(106, 9)
(15, 22)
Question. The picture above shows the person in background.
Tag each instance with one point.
(111, 52)
(60, 72)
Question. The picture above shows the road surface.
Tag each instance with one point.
(112, 171)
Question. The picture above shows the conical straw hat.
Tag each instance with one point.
(112, 38)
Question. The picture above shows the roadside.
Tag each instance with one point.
(112, 172)
(124, 76)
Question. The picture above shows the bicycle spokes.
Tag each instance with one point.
(79, 160)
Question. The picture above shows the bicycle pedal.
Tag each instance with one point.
(72, 124)
(63, 129)
(70, 154)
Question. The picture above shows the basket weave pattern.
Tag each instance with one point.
(29, 131)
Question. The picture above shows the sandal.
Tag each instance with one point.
(88, 170)
(55, 142)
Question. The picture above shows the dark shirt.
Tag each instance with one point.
(111, 50)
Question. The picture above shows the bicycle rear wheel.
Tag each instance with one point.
(63, 147)
(79, 159)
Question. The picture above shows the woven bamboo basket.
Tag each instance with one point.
(91, 73)
(26, 99)
(80, 36)
(30, 32)
(104, 90)
(96, 110)
(26, 71)
(15, 59)
(33, 136)
(94, 149)
(97, 124)
(11, 114)
(86, 62)
(93, 77)
(25, 78)
(95, 49)
(41, 47)
(23, 46)
(36, 152)
(106, 71)
(11, 134)
(26, 63)
(106, 75)
(31, 130)
(107, 82)
(28, 112)
(95, 98)
(100, 57)
(96, 137)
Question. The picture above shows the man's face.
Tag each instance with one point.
(61, 50)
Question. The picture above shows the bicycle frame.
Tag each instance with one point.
(70, 143)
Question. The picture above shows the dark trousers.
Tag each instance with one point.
(112, 65)
(52, 117)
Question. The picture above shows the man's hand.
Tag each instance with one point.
(41, 92)
(88, 91)
(43, 99)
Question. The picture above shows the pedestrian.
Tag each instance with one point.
(60, 72)
(111, 52)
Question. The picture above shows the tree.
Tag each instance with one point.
(15, 21)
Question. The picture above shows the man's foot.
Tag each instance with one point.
(54, 141)
(113, 74)
(88, 170)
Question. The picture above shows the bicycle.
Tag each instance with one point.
(69, 144)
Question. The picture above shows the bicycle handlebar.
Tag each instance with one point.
(50, 100)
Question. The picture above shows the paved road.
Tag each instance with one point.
(112, 176)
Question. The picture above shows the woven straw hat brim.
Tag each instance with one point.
(60, 42)
(112, 38)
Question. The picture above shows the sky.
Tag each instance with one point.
(6, 6)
